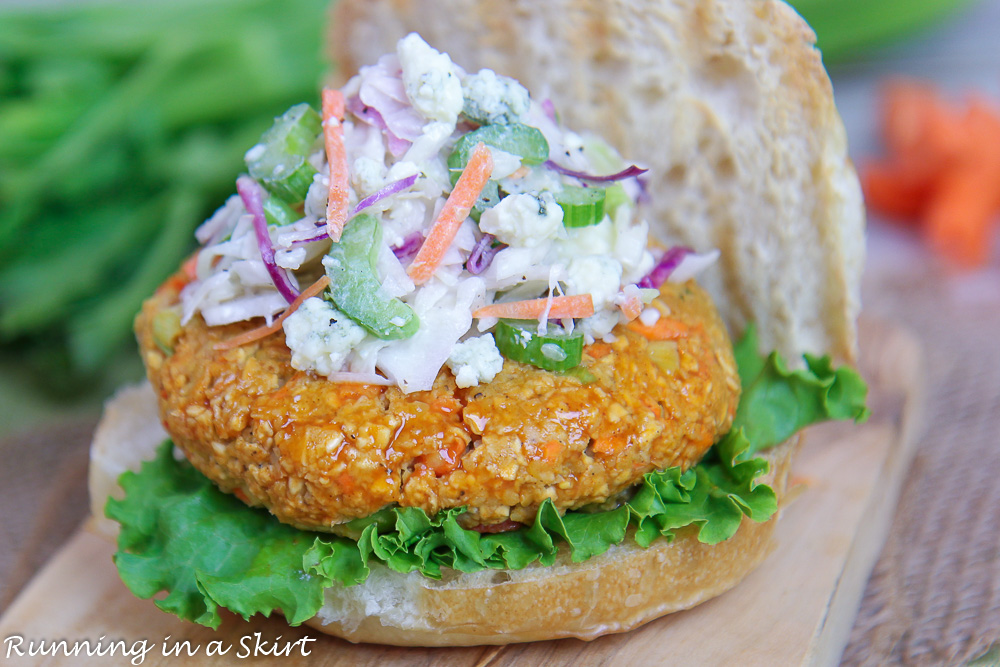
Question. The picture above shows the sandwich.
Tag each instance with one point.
(431, 380)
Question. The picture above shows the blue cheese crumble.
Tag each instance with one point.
(430, 80)
(494, 100)
(524, 220)
(475, 360)
(320, 337)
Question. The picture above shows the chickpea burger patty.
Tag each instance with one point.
(318, 453)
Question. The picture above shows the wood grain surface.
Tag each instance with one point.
(796, 609)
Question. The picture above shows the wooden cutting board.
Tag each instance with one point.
(796, 609)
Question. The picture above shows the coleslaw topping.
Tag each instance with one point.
(536, 223)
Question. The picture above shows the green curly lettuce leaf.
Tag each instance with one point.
(180, 534)
(206, 549)
(778, 402)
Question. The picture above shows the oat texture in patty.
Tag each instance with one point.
(317, 453)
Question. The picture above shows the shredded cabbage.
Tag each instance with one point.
(399, 172)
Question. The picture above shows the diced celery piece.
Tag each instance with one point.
(279, 162)
(354, 284)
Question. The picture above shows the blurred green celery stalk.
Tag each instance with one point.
(122, 126)
(845, 28)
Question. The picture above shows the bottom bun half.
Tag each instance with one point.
(617, 591)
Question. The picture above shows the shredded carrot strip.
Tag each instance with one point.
(631, 307)
(563, 307)
(609, 445)
(550, 450)
(346, 482)
(336, 158)
(664, 329)
(456, 210)
(174, 283)
(265, 331)
(917, 123)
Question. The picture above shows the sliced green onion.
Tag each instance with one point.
(277, 212)
(519, 340)
(528, 143)
(582, 207)
(354, 285)
(279, 162)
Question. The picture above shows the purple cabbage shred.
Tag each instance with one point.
(251, 194)
(661, 271)
(482, 254)
(411, 245)
(387, 191)
(628, 172)
(319, 237)
(371, 116)
(371, 200)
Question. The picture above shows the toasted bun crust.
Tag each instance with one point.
(727, 103)
(614, 592)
